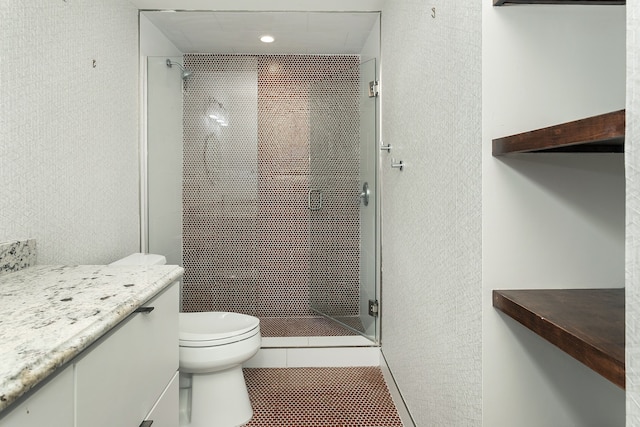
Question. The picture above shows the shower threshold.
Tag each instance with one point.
(309, 331)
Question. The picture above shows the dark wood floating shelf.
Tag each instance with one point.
(587, 324)
(603, 133)
(600, 2)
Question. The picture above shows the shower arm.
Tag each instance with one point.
(170, 63)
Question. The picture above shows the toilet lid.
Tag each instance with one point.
(209, 326)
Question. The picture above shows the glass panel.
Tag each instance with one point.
(261, 175)
(164, 159)
(368, 174)
(342, 229)
(221, 184)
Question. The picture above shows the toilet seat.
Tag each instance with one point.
(210, 329)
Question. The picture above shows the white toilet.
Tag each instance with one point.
(213, 346)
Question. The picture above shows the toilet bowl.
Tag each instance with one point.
(212, 348)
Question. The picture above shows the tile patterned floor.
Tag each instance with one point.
(320, 397)
(317, 326)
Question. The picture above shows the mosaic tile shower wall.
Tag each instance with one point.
(250, 125)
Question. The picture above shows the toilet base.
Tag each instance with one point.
(218, 399)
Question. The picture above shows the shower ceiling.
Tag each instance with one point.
(239, 32)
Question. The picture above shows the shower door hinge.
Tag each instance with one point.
(374, 88)
(374, 308)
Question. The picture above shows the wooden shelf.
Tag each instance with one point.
(603, 133)
(592, 2)
(587, 324)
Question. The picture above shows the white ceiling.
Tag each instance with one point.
(239, 32)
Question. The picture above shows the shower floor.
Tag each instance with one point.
(313, 326)
(320, 397)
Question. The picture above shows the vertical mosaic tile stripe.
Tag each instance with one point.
(320, 397)
(259, 133)
(16, 255)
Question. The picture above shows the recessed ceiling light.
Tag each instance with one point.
(267, 39)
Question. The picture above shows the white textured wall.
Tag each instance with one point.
(431, 247)
(554, 220)
(153, 42)
(632, 158)
(68, 131)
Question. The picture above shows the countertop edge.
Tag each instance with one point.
(31, 377)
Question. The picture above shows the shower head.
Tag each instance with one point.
(185, 73)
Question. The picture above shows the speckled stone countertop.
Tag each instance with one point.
(49, 314)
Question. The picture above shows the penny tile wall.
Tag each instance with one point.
(251, 243)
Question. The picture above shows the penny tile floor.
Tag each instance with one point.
(306, 326)
(320, 397)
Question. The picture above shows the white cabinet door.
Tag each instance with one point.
(51, 405)
(165, 412)
(119, 380)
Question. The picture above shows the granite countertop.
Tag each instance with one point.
(50, 313)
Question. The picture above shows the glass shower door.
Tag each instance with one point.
(368, 211)
(343, 157)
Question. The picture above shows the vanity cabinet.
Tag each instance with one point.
(127, 376)
(165, 412)
(120, 378)
(51, 405)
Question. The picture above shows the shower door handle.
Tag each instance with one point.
(311, 192)
(366, 193)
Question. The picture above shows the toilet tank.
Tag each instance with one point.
(141, 259)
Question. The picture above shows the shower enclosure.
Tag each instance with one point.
(261, 198)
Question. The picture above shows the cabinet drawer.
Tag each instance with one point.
(165, 411)
(50, 405)
(120, 378)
